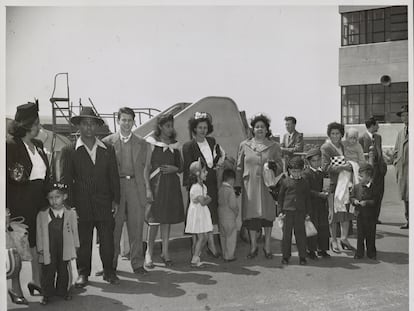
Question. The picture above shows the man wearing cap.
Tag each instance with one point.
(90, 170)
(133, 156)
(371, 142)
(292, 141)
(314, 175)
(401, 160)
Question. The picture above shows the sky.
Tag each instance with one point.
(279, 60)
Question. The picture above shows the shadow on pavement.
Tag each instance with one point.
(87, 302)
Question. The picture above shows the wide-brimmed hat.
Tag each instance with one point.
(26, 114)
(87, 112)
(403, 109)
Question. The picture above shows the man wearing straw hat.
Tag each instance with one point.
(90, 170)
(401, 160)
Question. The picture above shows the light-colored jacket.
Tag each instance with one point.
(70, 235)
(141, 154)
(257, 202)
(401, 163)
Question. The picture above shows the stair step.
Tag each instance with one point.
(59, 99)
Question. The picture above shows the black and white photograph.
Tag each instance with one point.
(205, 155)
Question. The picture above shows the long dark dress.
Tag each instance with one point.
(168, 207)
(191, 153)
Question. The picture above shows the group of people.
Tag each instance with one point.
(124, 178)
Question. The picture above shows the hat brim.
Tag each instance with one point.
(77, 119)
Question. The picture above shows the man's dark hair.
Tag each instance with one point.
(370, 122)
(290, 118)
(126, 110)
(367, 168)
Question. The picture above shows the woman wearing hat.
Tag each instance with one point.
(258, 206)
(27, 177)
(203, 146)
(401, 160)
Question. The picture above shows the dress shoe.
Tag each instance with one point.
(68, 297)
(285, 261)
(373, 257)
(111, 278)
(346, 246)
(81, 282)
(302, 261)
(44, 301)
(404, 227)
(358, 257)
(312, 255)
(32, 287)
(334, 248)
(18, 300)
(268, 255)
(253, 254)
(141, 271)
(324, 254)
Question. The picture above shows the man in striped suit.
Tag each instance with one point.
(90, 170)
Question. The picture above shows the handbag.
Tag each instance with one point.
(310, 229)
(17, 237)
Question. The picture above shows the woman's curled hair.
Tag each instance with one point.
(265, 120)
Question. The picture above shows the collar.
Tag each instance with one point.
(319, 169)
(226, 184)
(58, 213)
(125, 139)
(291, 177)
(80, 143)
(164, 146)
(370, 134)
(368, 185)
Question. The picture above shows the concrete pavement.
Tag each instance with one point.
(338, 283)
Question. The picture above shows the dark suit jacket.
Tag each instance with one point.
(191, 153)
(295, 145)
(16, 152)
(366, 142)
(294, 195)
(370, 195)
(91, 188)
(315, 181)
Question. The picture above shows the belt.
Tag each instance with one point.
(127, 177)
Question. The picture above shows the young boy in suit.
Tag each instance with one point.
(57, 241)
(319, 205)
(227, 212)
(294, 201)
(365, 197)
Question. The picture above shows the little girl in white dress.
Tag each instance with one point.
(198, 215)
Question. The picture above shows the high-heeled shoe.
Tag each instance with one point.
(335, 249)
(18, 300)
(346, 246)
(267, 255)
(253, 254)
(32, 287)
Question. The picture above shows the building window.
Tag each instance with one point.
(379, 25)
(359, 102)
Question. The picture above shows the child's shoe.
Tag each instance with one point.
(44, 301)
(196, 262)
(285, 261)
(302, 261)
(324, 254)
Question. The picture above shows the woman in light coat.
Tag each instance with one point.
(258, 206)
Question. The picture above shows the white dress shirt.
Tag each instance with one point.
(38, 165)
(92, 152)
(125, 139)
(206, 151)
